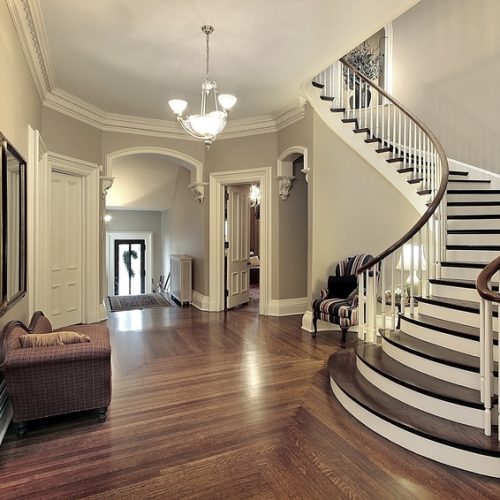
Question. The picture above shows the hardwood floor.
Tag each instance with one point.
(220, 405)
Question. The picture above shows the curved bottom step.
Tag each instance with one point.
(474, 453)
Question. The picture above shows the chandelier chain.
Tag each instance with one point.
(208, 56)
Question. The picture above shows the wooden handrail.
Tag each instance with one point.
(482, 281)
(442, 186)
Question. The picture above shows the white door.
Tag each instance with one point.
(238, 236)
(66, 249)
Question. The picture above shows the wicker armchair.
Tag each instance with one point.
(47, 381)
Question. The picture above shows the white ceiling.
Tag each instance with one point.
(131, 57)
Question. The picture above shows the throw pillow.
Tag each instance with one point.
(52, 339)
(340, 287)
(40, 340)
(68, 337)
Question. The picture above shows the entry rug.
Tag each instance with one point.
(129, 302)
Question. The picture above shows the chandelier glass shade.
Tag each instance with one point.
(205, 126)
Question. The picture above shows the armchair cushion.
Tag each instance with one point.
(341, 286)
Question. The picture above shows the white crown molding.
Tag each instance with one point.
(28, 21)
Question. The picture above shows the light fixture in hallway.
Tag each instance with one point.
(205, 126)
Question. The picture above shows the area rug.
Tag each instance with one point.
(130, 302)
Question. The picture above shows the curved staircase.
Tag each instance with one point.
(419, 379)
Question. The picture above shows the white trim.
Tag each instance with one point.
(436, 406)
(456, 457)
(216, 233)
(323, 326)
(287, 307)
(388, 59)
(200, 301)
(182, 159)
(103, 312)
(89, 173)
(111, 236)
(286, 159)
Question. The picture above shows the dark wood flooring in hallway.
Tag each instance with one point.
(220, 405)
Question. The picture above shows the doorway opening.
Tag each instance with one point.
(130, 267)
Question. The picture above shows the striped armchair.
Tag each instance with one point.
(342, 311)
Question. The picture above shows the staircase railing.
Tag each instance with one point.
(489, 300)
(416, 153)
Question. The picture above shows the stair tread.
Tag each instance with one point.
(471, 181)
(457, 282)
(444, 326)
(342, 369)
(349, 120)
(473, 216)
(326, 98)
(460, 304)
(473, 191)
(318, 85)
(374, 356)
(337, 110)
(431, 351)
(473, 231)
(373, 139)
(395, 159)
(473, 203)
(459, 172)
(361, 130)
(404, 170)
(485, 248)
(473, 265)
(385, 149)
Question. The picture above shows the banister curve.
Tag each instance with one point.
(444, 174)
(482, 281)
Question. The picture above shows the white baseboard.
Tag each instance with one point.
(200, 301)
(287, 307)
(323, 326)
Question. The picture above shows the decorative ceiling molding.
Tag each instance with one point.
(28, 21)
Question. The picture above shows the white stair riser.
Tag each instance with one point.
(473, 239)
(429, 404)
(473, 210)
(471, 255)
(453, 315)
(465, 273)
(456, 457)
(478, 195)
(433, 368)
(455, 292)
(453, 342)
(474, 223)
(469, 185)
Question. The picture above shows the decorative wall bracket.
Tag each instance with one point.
(198, 189)
(285, 184)
(106, 183)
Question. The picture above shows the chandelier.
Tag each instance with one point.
(255, 197)
(205, 126)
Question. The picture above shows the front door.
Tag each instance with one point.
(238, 251)
(130, 267)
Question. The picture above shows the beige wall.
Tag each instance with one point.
(355, 209)
(246, 153)
(141, 221)
(447, 69)
(20, 106)
(70, 137)
(293, 238)
(184, 231)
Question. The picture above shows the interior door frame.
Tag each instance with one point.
(40, 166)
(111, 236)
(217, 182)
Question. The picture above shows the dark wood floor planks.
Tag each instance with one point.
(220, 405)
